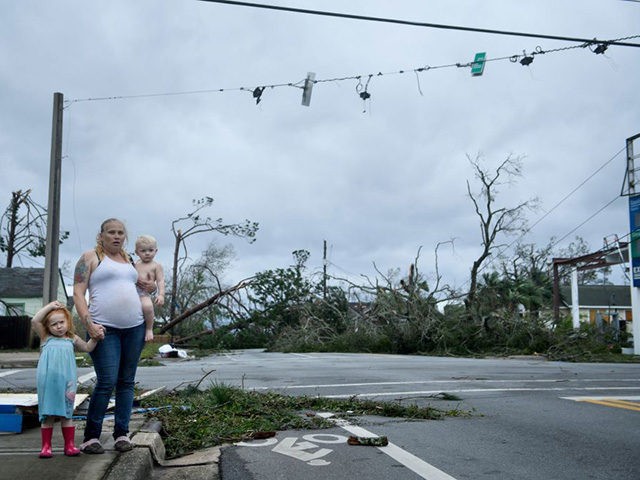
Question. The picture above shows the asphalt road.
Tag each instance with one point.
(529, 418)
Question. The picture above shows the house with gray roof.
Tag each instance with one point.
(598, 303)
(21, 291)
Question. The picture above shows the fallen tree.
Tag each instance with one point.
(207, 303)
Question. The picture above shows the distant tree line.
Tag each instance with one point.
(506, 307)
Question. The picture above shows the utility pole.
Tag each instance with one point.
(51, 271)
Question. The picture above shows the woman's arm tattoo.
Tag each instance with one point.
(80, 274)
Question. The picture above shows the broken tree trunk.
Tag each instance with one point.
(187, 313)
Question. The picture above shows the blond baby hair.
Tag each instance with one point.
(146, 241)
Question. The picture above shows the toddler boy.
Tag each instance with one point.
(150, 270)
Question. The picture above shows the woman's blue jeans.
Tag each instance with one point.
(115, 360)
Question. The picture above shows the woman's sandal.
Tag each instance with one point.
(123, 444)
(92, 447)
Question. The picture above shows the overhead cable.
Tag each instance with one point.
(257, 91)
(417, 24)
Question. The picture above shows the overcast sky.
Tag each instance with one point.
(377, 179)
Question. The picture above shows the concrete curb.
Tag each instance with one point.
(147, 460)
(134, 465)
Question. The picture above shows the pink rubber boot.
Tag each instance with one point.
(70, 449)
(46, 433)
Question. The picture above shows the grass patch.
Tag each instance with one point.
(150, 351)
(194, 419)
(149, 355)
(83, 360)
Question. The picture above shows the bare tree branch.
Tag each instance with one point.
(494, 220)
(196, 224)
(212, 300)
(23, 226)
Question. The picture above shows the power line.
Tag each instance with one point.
(574, 191)
(524, 59)
(588, 219)
(587, 41)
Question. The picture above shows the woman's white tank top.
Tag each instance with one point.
(113, 300)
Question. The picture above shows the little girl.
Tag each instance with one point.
(56, 374)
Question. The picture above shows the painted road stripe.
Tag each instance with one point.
(627, 403)
(619, 397)
(413, 463)
(8, 372)
(433, 382)
(615, 402)
(474, 390)
(86, 378)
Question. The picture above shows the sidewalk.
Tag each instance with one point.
(19, 451)
(25, 359)
(19, 457)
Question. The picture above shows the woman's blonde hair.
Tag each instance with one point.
(100, 249)
(71, 331)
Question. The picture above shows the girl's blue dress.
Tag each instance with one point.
(56, 378)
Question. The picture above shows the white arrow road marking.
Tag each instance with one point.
(8, 372)
(413, 463)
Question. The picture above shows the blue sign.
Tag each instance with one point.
(634, 242)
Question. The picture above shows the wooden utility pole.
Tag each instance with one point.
(51, 271)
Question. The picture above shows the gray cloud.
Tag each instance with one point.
(376, 185)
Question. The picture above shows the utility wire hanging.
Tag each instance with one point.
(307, 84)
(413, 23)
